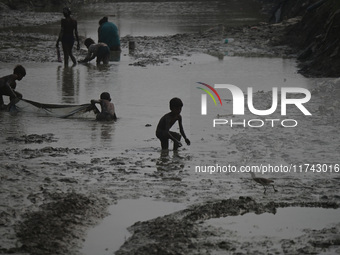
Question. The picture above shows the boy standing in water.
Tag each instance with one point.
(8, 85)
(66, 36)
(163, 132)
(108, 109)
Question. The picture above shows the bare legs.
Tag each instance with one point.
(67, 49)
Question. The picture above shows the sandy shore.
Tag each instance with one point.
(47, 206)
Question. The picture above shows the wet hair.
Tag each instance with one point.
(106, 96)
(175, 102)
(67, 11)
(19, 69)
(103, 20)
(88, 42)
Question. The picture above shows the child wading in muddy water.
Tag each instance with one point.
(163, 132)
(100, 51)
(8, 85)
(108, 109)
(66, 36)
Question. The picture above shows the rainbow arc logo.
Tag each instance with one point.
(204, 97)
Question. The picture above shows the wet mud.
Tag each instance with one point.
(50, 196)
(184, 232)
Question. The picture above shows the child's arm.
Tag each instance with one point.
(94, 108)
(181, 130)
(95, 101)
(61, 33)
(10, 87)
(166, 119)
(175, 140)
(76, 34)
(88, 57)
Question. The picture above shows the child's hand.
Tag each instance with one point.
(187, 141)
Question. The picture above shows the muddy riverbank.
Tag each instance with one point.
(51, 195)
(313, 35)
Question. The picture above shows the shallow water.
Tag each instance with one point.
(288, 222)
(111, 233)
(140, 99)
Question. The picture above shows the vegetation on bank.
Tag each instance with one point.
(317, 37)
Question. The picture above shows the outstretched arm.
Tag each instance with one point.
(93, 104)
(61, 33)
(174, 139)
(88, 57)
(181, 130)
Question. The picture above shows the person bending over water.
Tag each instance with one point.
(163, 132)
(100, 51)
(108, 109)
(8, 85)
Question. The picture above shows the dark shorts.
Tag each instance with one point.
(103, 54)
(103, 51)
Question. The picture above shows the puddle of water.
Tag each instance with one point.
(286, 223)
(111, 233)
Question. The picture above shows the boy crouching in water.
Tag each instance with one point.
(8, 85)
(96, 50)
(163, 132)
(108, 109)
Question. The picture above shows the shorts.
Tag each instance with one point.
(103, 54)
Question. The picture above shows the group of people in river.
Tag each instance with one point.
(108, 40)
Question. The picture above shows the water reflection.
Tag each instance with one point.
(68, 81)
(103, 131)
(106, 131)
(11, 125)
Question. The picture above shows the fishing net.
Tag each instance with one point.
(55, 110)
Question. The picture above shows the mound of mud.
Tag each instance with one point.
(58, 224)
(183, 232)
